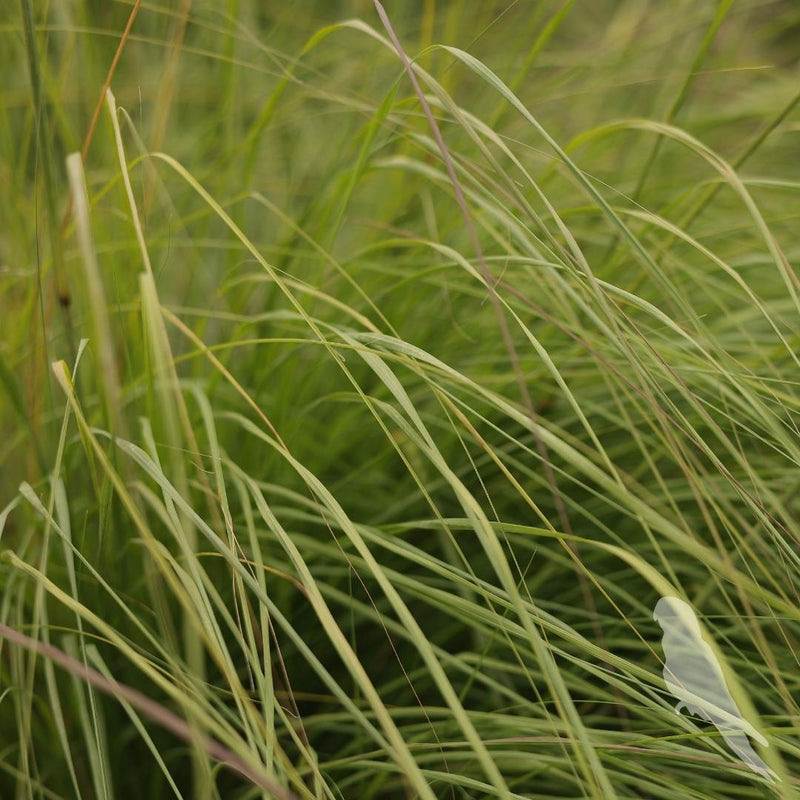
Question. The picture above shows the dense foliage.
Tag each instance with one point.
(366, 380)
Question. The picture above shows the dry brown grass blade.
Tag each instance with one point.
(99, 105)
(150, 708)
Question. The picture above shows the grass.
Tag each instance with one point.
(369, 373)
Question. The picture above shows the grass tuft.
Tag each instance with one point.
(370, 373)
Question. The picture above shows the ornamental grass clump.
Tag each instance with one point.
(370, 375)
